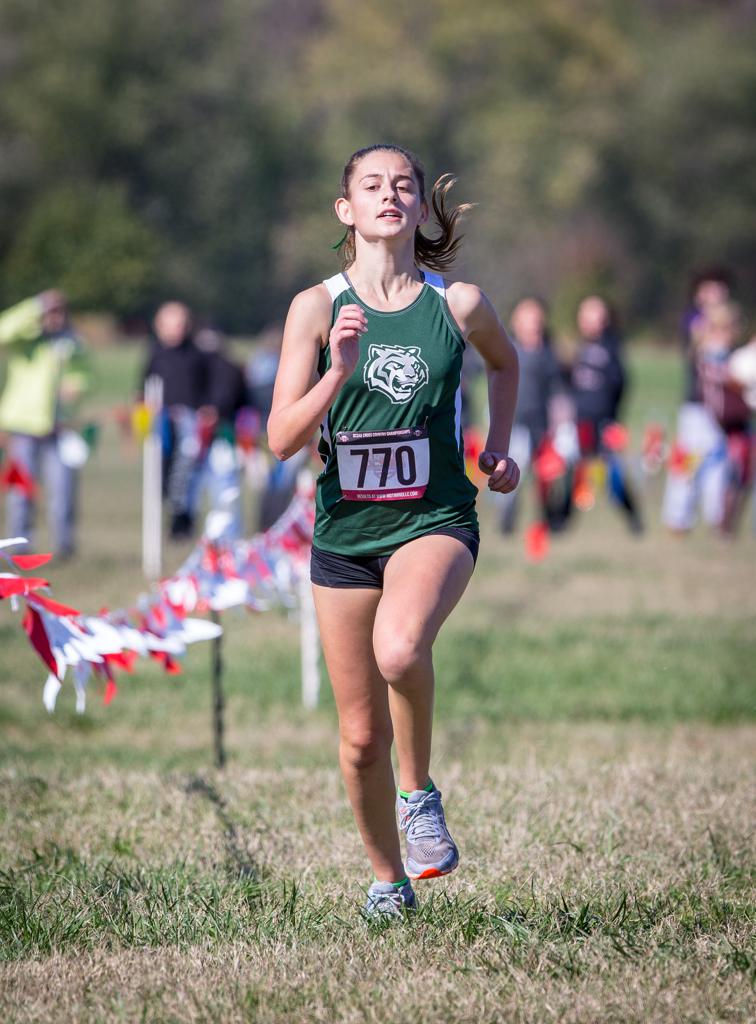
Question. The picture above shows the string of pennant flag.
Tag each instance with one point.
(258, 573)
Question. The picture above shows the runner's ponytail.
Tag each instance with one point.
(439, 253)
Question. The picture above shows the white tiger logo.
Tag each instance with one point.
(395, 371)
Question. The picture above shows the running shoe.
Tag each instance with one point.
(431, 851)
(384, 899)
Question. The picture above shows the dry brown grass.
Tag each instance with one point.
(664, 818)
(335, 984)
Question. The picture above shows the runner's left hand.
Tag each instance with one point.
(502, 471)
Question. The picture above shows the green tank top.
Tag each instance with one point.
(392, 440)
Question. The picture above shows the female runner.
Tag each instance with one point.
(373, 357)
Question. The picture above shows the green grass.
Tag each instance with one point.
(655, 386)
(59, 901)
(594, 742)
(616, 877)
(657, 670)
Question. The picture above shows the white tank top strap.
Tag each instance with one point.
(336, 285)
(436, 282)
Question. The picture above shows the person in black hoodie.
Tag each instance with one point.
(598, 375)
(598, 386)
(183, 369)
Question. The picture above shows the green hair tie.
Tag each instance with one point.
(341, 241)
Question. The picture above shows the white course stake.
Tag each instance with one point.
(309, 642)
(152, 483)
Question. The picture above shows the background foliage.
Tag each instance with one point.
(194, 147)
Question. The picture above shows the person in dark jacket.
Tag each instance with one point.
(226, 388)
(175, 358)
(598, 375)
(183, 369)
(598, 385)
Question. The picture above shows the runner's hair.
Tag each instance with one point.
(434, 253)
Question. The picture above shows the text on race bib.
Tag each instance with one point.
(383, 465)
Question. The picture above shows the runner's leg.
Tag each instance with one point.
(423, 581)
(346, 617)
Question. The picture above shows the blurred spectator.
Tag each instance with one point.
(742, 371)
(47, 374)
(261, 370)
(175, 358)
(709, 287)
(281, 477)
(226, 387)
(598, 386)
(220, 472)
(183, 369)
(710, 463)
(598, 375)
(540, 382)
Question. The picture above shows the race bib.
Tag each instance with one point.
(383, 465)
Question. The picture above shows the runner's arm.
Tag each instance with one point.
(480, 325)
(300, 399)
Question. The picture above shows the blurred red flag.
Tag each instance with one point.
(548, 464)
(615, 437)
(15, 475)
(536, 542)
(37, 634)
(10, 585)
(30, 561)
(54, 606)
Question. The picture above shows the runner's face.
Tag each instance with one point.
(384, 200)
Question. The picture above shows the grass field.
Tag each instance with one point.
(596, 720)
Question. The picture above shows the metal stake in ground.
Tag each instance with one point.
(219, 703)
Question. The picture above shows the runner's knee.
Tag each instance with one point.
(362, 748)
(398, 656)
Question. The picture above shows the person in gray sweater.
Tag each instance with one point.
(541, 379)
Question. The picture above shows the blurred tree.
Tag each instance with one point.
(517, 99)
(164, 102)
(608, 144)
(87, 242)
(678, 179)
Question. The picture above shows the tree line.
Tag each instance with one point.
(193, 148)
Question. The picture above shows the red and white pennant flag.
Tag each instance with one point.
(258, 574)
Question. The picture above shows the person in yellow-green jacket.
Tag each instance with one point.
(46, 374)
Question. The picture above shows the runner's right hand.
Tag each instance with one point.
(344, 339)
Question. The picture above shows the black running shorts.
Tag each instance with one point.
(328, 569)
